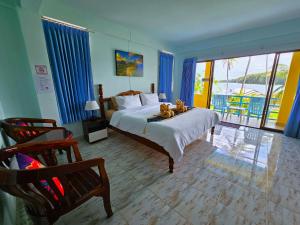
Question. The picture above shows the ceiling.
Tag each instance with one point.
(182, 21)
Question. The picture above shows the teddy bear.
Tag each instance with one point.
(180, 106)
(165, 111)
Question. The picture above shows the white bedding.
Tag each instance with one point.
(172, 134)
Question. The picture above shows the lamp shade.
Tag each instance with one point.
(162, 96)
(91, 105)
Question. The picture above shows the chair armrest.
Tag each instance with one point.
(38, 132)
(30, 176)
(38, 128)
(35, 120)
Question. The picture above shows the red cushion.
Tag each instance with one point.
(28, 163)
(22, 124)
(28, 133)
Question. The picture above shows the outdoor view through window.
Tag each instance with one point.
(240, 87)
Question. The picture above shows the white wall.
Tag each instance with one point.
(17, 94)
(105, 38)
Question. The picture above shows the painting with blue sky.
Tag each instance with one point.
(128, 64)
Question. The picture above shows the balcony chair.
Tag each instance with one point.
(79, 181)
(220, 103)
(255, 108)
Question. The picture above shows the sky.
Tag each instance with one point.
(257, 65)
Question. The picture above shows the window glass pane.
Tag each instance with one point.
(200, 74)
(203, 71)
(280, 103)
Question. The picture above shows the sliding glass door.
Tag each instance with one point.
(239, 88)
(255, 91)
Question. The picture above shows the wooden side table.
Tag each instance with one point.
(94, 129)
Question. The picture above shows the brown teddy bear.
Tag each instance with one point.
(180, 106)
(165, 111)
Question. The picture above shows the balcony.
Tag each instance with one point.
(245, 110)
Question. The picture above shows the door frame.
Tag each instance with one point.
(210, 83)
(210, 80)
(269, 92)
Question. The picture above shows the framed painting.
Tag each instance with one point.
(129, 64)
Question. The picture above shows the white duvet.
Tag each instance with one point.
(172, 134)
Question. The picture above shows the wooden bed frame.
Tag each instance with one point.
(147, 142)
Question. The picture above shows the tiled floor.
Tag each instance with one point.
(244, 176)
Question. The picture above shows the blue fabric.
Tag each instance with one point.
(165, 74)
(70, 60)
(292, 129)
(188, 81)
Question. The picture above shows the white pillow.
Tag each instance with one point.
(127, 102)
(149, 99)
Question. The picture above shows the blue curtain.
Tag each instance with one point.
(165, 74)
(292, 129)
(70, 60)
(188, 81)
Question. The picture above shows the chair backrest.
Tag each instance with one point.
(256, 106)
(19, 184)
(17, 131)
(50, 190)
(27, 184)
(219, 101)
(24, 129)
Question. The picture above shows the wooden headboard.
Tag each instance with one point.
(108, 100)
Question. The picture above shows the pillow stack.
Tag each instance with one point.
(133, 101)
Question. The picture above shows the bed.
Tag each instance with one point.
(168, 136)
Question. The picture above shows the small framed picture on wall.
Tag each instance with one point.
(41, 69)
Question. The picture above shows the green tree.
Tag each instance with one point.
(198, 83)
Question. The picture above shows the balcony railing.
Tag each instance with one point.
(243, 105)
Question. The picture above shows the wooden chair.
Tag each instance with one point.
(80, 182)
(25, 129)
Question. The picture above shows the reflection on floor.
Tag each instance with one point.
(252, 122)
(237, 176)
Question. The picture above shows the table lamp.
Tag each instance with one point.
(162, 96)
(91, 106)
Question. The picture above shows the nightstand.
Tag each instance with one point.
(94, 129)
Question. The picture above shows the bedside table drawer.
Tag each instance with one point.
(97, 135)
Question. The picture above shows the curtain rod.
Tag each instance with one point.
(164, 51)
(66, 24)
(100, 32)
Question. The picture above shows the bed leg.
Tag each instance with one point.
(212, 130)
(171, 164)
